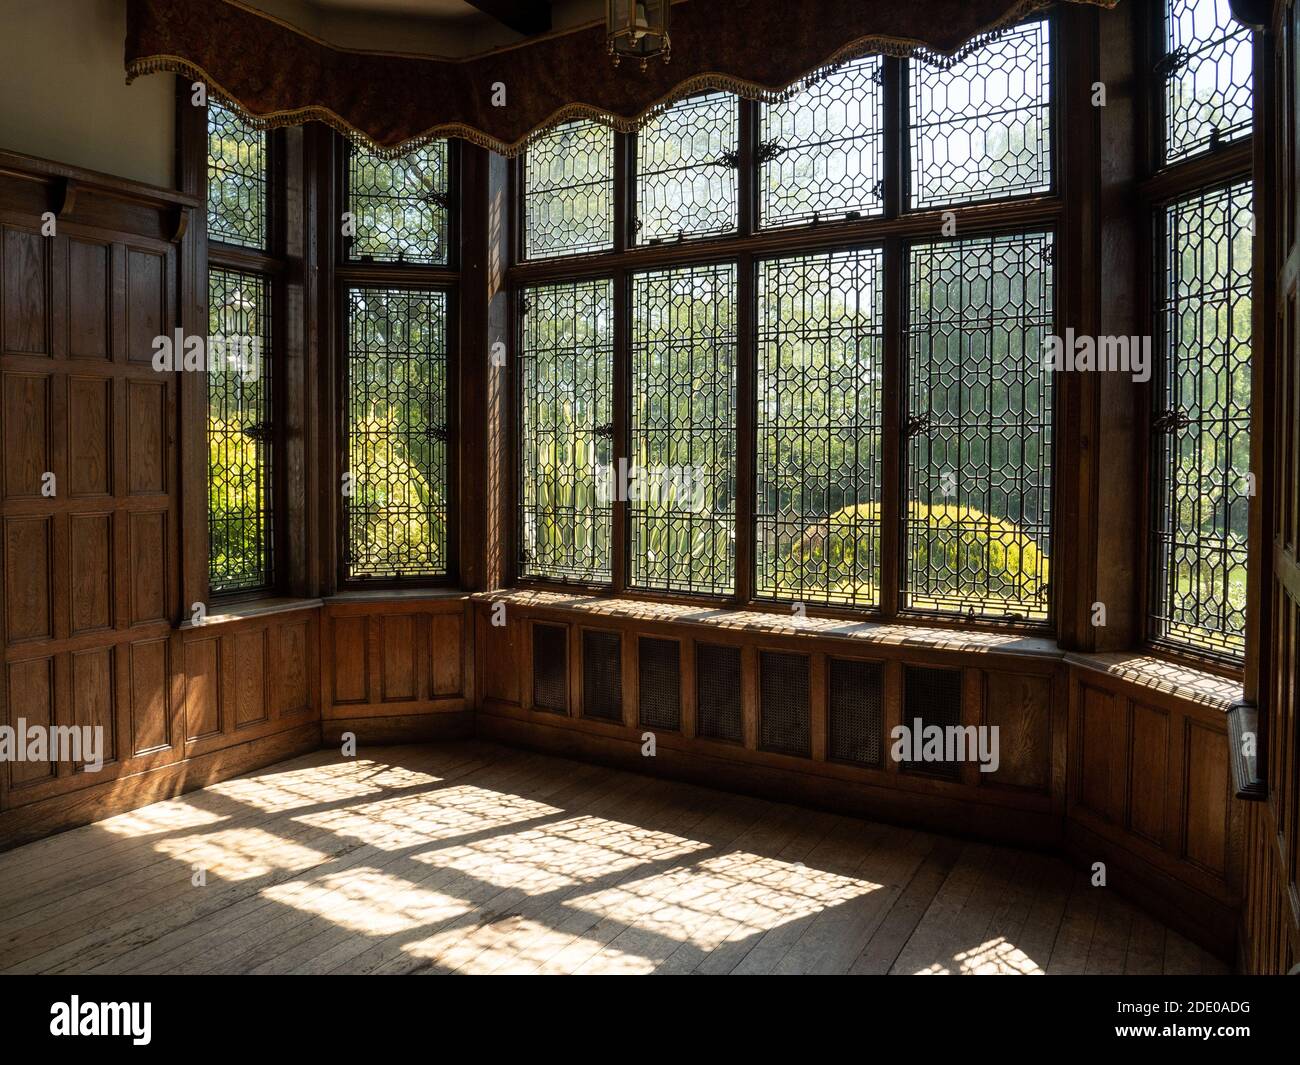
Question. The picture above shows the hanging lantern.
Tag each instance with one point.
(637, 29)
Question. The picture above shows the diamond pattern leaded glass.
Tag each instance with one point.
(400, 207)
(237, 199)
(981, 127)
(977, 527)
(569, 191)
(817, 513)
(1208, 77)
(566, 430)
(396, 504)
(822, 150)
(686, 168)
(1201, 437)
(683, 429)
(239, 431)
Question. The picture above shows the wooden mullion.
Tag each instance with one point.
(622, 381)
(746, 429)
(895, 250)
(892, 471)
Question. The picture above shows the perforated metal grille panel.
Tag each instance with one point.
(784, 724)
(602, 675)
(550, 668)
(659, 683)
(932, 696)
(717, 693)
(856, 711)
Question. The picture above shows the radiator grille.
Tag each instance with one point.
(783, 704)
(602, 675)
(856, 716)
(551, 668)
(717, 693)
(933, 696)
(659, 683)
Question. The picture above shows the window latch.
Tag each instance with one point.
(606, 430)
(769, 150)
(1171, 421)
(916, 424)
(1173, 61)
(259, 431)
(730, 160)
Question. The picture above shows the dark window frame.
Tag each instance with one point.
(271, 263)
(893, 229)
(1164, 184)
(351, 273)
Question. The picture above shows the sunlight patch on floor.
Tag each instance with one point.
(714, 901)
(368, 901)
(158, 818)
(409, 820)
(996, 957)
(240, 853)
(315, 785)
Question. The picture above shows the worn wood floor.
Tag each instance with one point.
(468, 857)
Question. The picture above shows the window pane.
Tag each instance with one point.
(686, 173)
(239, 431)
(566, 430)
(982, 128)
(400, 206)
(569, 191)
(979, 423)
(683, 414)
(820, 328)
(396, 433)
(1209, 77)
(831, 149)
(1202, 444)
(236, 179)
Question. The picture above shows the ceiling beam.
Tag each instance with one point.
(522, 16)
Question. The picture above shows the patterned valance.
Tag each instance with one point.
(276, 75)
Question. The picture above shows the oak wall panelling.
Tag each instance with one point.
(90, 594)
(1270, 941)
(395, 666)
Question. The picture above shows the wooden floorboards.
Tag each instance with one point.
(469, 857)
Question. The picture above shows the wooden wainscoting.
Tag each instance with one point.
(396, 667)
(1150, 793)
(1016, 683)
(90, 537)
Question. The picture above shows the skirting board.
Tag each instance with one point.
(25, 824)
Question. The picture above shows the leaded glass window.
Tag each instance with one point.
(683, 430)
(400, 207)
(981, 128)
(977, 520)
(686, 170)
(569, 191)
(820, 349)
(237, 180)
(566, 431)
(395, 402)
(1208, 77)
(822, 151)
(1201, 431)
(239, 431)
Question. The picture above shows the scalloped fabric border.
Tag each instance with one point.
(692, 85)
